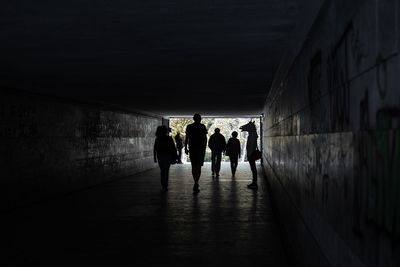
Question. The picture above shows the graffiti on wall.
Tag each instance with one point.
(377, 184)
(338, 86)
(97, 124)
(344, 63)
(364, 108)
(314, 89)
(18, 120)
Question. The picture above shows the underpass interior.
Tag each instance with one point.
(84, 86)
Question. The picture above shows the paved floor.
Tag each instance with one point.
(130, 222)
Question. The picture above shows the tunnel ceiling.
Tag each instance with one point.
(162, 56)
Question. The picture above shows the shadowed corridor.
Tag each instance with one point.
(130, 222)
(84, 85)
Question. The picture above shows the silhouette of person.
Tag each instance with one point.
(196, 138)
(217, 145)
(233, 151)
(164, 154)
(251, 147)
(179, 146)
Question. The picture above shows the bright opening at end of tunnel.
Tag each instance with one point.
(226, 125)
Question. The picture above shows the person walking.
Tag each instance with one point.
(217, 145)
(179, 146)
(164, 154)
(233, 151)
(196, 139)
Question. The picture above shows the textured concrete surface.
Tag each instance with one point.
(130, 222)
(50, 147)
(137, 54)
(332, 139)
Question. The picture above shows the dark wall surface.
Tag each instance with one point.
(50, 147)
(332, 139)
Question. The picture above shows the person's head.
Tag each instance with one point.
(197, 117)
(217, 130)
(161, 130)
(234, 134)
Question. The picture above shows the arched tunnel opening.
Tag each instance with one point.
(85, 86)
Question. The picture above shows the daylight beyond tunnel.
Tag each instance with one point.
(226, 124)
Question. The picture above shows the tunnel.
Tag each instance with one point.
(84, 85)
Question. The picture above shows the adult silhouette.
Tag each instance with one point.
(233, 151)
(164, 153)
(179, 146)
(250, 149)
(196, 139)
(217, 145)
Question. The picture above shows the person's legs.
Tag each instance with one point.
(213, 162)
(197, 162)
(180, 155)
(254, 172)
(231, 159)
(164, 168)
(166, 177)
(217, 166)
(234, 162)
(196, 172)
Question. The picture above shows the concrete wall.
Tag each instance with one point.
(332, 139)
(50, 147)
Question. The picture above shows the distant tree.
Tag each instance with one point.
(179, 125)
